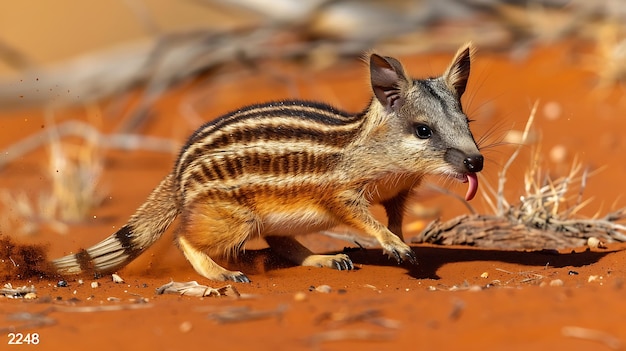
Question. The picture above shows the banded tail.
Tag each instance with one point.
(144, 228)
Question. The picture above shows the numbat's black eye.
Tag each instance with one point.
(423, 131)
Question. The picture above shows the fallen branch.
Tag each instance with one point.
(84, 130)
(594, 335)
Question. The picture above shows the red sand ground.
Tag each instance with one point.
(380, 305)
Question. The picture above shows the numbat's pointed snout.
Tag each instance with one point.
(474, 163)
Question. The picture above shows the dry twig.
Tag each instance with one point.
(352, 334)
(335, 319)
(244, 314)
(192, 288)
(592, 334)
(9, 291)
(28, 321)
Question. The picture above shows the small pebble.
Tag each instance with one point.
(475, 288)
(299, 296)
(185, 327)
(95, 285)
(484, 275)
(556, 282)
(323, 289)
(113, 299)
(62, 284)
(117, 279)
(30, 296)
(595, 243)
(572, 273)
(592, 278)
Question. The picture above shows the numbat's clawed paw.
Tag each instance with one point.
(339, 262)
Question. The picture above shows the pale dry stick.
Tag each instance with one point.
(535, 276)
(74, 190)
(32, 321)
(91, 309)
(592, 334)
(488, 197)
(541, 200)
(244, 314)
(344, 335)
(561, 188)
(80, 129)
(579, 204)
(502, 173)
(373, 316)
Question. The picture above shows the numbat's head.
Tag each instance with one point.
(435, 136)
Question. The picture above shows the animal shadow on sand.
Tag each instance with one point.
(431, 258)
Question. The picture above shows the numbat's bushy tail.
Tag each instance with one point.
(292, 167)
(145, 227)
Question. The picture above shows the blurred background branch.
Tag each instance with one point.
(156, 44)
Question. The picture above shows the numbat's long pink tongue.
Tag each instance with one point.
(472, 186)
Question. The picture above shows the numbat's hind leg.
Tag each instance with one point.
(292, 250)
(205, 266)
(217, 228)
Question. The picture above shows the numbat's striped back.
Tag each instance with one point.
(275, 144)
(292, 167)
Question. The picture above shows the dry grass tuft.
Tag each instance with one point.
(608, 61)
(73, 171)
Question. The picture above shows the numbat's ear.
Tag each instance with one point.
(388, 80)
(457, 74)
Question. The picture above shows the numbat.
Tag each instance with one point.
(293, 167)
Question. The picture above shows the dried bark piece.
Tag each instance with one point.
(192, 288)
(9, 291)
